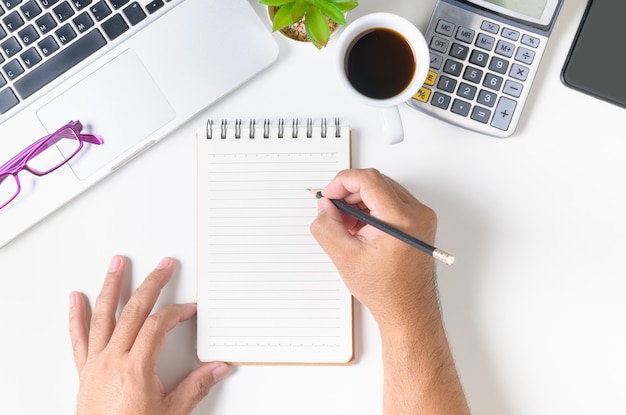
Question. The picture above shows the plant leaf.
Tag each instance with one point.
(317, 27)
(298, 9)
(317, 45)
(275, 2)
(346, 5)
(282, 18)
(330, 10)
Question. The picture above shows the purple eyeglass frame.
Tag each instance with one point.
(19, 162)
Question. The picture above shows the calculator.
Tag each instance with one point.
(484, 55)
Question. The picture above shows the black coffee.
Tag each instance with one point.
(380, 63)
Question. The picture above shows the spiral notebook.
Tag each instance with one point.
(267, 292)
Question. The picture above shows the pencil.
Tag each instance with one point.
(436, 253)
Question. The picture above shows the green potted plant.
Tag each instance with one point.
(308, 20)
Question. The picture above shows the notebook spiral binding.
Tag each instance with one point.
(220, 129)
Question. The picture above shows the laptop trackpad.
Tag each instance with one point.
(119, 102)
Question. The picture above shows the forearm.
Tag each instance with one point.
(420, 377)
(396, 283)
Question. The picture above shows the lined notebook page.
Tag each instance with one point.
(267, 293)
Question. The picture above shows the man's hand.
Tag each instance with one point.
(393, 279)
(116, 360)
(397, 283)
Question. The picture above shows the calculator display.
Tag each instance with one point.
(538, 12)
(532, 8)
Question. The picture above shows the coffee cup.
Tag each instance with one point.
(383, 60)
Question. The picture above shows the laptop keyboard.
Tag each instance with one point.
(42, 39)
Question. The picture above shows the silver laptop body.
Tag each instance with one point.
(149, 66)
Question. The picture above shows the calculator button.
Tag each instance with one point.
(436, 61)
(513, 88)
(447, 84)
(440, 100)
(445, 28)
(453, 67)
(423, 94)
(460, 107)
(479, 58)
(473, 74)
(525, 56)
(519, 72)
(498, 65)
(490, 27)
(503, 113)
(439, 44)
(467, 91)
(459, 51)
(485, 42)
(481, 114)
(480, 69)
(493, 82)
(505, 48)
(487, 98)
(531, 41)
(465, 35)
(431, 78)
(510, 34)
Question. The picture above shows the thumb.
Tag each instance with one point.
(191, 390)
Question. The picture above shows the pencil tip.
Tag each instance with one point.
(316, 193)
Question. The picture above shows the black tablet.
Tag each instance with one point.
(596, 63)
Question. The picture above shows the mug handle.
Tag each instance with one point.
(392, 125)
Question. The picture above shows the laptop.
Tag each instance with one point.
(130, 71)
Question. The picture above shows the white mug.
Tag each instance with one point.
(383, 60)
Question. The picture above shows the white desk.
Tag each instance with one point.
(534, 307)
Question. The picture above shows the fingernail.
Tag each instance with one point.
(115, 264)
(73, 299)
(164, 263)
(220, 372)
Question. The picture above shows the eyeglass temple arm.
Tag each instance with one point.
(89, 138)
(77, 127)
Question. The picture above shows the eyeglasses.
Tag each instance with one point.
(42, 157)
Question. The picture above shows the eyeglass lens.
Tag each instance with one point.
(8, 189)
(47, 158)
(42, 160)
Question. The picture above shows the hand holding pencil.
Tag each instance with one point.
(396, 282)
(366, 219)
(373, 264)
